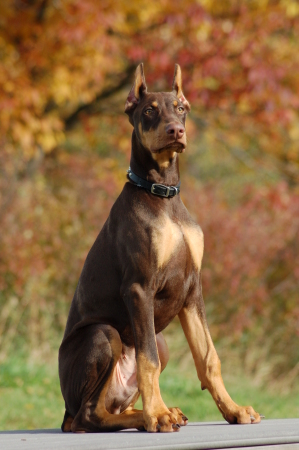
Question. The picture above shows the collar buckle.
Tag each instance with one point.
(160, 189)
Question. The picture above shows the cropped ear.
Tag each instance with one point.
(177, 87)
(138, 89)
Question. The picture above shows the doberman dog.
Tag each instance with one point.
(143, 269)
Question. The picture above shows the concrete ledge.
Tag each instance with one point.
(268, 435)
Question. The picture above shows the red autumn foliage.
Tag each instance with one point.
(65, 70)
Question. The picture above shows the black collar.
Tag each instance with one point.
(155, 188)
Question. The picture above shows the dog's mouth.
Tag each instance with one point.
(176, 146)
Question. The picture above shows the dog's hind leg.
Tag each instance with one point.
(87, 359)
(67, 422)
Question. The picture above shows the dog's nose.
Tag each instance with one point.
(175, 129)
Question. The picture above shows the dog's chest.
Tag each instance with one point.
(177, 241)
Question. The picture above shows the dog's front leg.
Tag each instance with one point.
(193, 321)
(156, 415)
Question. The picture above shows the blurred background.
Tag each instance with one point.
(66, 67)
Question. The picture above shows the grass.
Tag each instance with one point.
(31, 398)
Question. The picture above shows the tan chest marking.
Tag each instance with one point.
(166, 238)
(194, 238)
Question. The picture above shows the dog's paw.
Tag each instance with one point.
(243, 415)
(165, 422)
(181, 419)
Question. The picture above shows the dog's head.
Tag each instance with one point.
(158, 118)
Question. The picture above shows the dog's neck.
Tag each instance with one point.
(160, 168)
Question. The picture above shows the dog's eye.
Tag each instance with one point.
(180, 109)
(148, 111)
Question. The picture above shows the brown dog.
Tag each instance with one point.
(142, 271)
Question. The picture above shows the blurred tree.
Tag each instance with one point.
(71, 62)
(240, 62)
